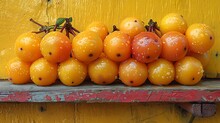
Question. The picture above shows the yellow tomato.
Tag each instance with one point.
(103, 71)
(189, 71)
(161, 72)
(132, 26)
(173, 22)
(18, 71)
(43, 73)
(132, 72)
(100, 28)
(87, 46)
(27, 47)
(72, 72)
(200, 37)
(203, 58)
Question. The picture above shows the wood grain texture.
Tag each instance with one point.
(97, 113)
(14, 18)
(88, 92)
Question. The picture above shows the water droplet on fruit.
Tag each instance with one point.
(168, 73)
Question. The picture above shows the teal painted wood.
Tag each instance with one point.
(206, 91)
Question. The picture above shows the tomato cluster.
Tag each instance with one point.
(134, 53)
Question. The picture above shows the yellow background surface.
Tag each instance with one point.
(14, 20)
(15, 15)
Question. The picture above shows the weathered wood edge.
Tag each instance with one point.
(206, 91)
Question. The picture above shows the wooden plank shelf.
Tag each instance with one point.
(207, 91)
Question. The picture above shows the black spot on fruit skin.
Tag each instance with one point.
(193, 78)
(210, 37)
(20, 49)
(135, 20)
(184, 49)
(118, 55)
(40, 78)
(104, 82)
(131, 82)
(148, 57)
(50, 53)
(72, 82)
(90, 55)
(216, 54)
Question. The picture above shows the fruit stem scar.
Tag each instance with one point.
(148, 57)
(210, 37)
(21, 48)
(40, 78)
(135, 20)
(50, 53)
(193, 78)
(131, 82)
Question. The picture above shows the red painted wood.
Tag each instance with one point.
(206, 91)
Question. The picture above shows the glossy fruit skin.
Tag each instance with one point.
(72, 72)
(200, 37)
(100, 28)
(103, 71)
(203, 58)
(117, 46)
(132, 72)
(173, 22)
(161, 72)
(189, 71)
(56, 47)
(18, 71)
(43, 73)
(132, 26)
(27, 47)
(87, 46)
(146, 47)
(175, 46)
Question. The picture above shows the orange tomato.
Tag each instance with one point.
(117, 46)
(132, 26)
(103, 71)
(189, 71)
(18, 71)
(87, 46)
(146, 47)
(175, 46)
(55, 47)
(132, 72)
(43, 73)
(100, 28)
(201, 38)
(161, 72)
(27, 47)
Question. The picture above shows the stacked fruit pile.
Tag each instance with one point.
(133, 53)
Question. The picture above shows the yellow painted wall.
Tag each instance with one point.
(97, 113)
(14, 16)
